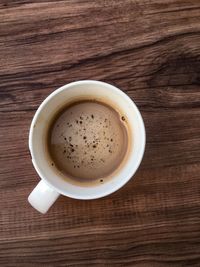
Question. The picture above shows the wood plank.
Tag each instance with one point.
(149, 49)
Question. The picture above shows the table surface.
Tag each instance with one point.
(149, 49)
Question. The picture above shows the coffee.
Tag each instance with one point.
(87, 141)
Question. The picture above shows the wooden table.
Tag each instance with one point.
(149, 49)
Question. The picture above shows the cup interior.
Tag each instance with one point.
(77, 91)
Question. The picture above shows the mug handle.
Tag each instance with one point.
(42, 197)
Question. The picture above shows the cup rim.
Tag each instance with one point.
(124, 179)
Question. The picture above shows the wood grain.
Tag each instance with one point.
(149, 49)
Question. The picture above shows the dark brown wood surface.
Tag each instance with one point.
(149, 49)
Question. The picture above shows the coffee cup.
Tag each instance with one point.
(52, 183)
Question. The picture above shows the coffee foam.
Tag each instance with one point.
(87, 141)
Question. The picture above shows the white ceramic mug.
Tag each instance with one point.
(51, 185)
